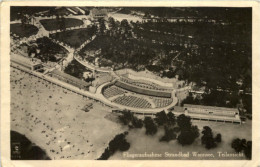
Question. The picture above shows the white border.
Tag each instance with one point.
(5, 87)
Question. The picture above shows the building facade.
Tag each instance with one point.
(212, 113)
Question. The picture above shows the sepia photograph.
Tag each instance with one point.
(130, 83)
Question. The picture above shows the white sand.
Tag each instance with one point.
(51, 117)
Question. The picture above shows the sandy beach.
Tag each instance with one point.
(53, 119)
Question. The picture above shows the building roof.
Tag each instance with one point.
(213, 117)
(26, 61)
(209, 107)
(69, 77)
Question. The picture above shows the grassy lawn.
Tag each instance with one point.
(52, 24)
(23, 30)
(74, 38)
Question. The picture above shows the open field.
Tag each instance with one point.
(141, 143)
(22, 31)
(53, 24)
(52, 118)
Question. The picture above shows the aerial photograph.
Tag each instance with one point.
(130, 83)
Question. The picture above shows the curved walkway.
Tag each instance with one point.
(91, 66)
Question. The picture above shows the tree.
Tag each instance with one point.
(24, 19)
(248, 150)
(62, 24)
(102, 26)
(176, 129)
(52, 12)
(161, 118)
(118, 143)
(210, 143)
(112, 23)
(126, 27)
(236, 145)
(126, 117)
(195, 131)
(190, 100)
(137, 123)
(171, 118)
(184, 122)
(240, 145)
(186, 137)
(207, 138)
(218, 138)
(58, 19)
(207, 132)
(150, 126)
(168, 135)
(105, 155)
